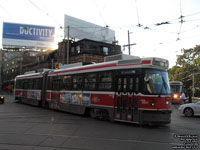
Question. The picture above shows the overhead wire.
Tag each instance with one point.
(5, 10)
(181, 21)
(100, 14)
(138, 20)
(150, 27)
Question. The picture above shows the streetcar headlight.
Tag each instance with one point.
(1, 97)
(153, 103)
(175, 96)
(167, 102)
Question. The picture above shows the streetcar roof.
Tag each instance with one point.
(31, 75)
(151, 62)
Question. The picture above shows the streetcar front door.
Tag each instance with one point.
(126, 104)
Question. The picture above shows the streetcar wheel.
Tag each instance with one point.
(188, 112)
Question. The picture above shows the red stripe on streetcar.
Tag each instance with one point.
(87, 68)
(146, 62)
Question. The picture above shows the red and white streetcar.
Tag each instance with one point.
(134, 90)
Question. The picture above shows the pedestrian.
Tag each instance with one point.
(183, 98)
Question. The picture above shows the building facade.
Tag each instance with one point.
(68, 52)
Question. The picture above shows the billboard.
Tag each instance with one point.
(24, 35)
(81, 29)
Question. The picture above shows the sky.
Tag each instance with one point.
(155, 26)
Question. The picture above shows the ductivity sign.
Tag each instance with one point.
(27, 35)
(28, 32)
(36, 31)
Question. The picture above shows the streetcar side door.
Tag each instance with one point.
(126, 105)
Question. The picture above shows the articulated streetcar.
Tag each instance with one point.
(135, 90)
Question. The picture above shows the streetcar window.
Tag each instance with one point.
(119, 84)
(49, 83)
(19, 84)
(125, 85)
(131, 84)
(67, 82)
(105, 81)
(38, 83)
(176, 88)
(90, 81)
(25, 84)
(56, 84)
(157, 82)
(77, 82)
(137, 85)
(30, 83)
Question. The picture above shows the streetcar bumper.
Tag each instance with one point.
(156, 116)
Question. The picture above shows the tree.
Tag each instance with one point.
(187, 69)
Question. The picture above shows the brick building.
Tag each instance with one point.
(86, 51)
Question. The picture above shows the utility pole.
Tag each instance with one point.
(129, 45)
(52, 62)
(193, 89)
(67, 44)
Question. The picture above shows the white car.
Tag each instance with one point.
(190, 109)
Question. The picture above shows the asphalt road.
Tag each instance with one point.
(25, 127)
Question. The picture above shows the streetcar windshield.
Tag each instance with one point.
(156, 82)
(176, 88)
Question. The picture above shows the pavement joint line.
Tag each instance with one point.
(26, 145)
(101, 138)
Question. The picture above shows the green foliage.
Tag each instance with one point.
(187, 64)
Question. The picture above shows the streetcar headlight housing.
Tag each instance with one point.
(2, 97)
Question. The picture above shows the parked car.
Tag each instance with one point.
(1, 98)
(190, 109)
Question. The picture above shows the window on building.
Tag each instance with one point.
(72, 50)
(105, 50)
(78, 49)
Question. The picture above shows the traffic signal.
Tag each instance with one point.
(56, 65)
